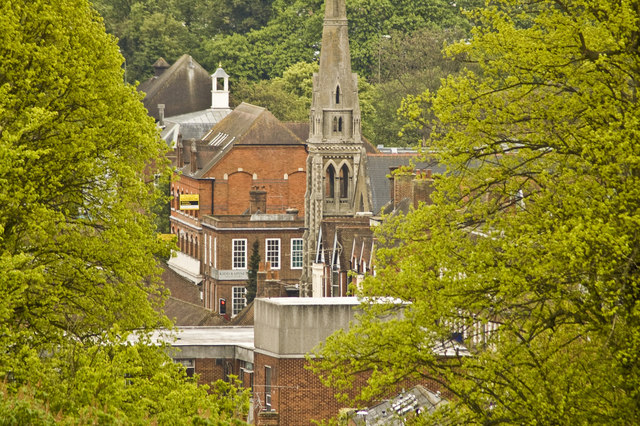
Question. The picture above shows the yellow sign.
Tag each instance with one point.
(189, 202)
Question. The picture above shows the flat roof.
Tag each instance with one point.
(207, 336)
(311, 301)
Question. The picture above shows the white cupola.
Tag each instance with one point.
(220, 89)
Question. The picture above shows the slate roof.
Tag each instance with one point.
(193, 125)
(379, 168)
(185, 314)
(184, 87)
(247, 125)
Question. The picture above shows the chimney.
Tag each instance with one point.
(194, 157)
(423, 188)
(257, 201)
(179, 153)
(161, 114)
(402, 187)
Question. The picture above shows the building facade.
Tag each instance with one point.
(243, 181)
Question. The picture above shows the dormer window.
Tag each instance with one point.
(337, 95)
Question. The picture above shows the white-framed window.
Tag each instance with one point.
(296, 253)
(189, 365)
(267, 387)
(239, 254)
(273, 252)
(239, 300)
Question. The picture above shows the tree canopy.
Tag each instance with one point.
(534, 231)
(78, 247)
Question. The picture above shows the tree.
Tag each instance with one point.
(78, 250)
(409, 64)
(535, 230)
(254, 267)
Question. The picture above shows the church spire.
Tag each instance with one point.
(335, 110)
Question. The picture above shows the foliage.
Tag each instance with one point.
(409, 64)
(259, 40)
(254, 267)
(78, 248)
(535, 229)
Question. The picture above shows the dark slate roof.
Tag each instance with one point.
(301, 130)
(246, 125)
(380, 167)
(184, 87)
(185, 314)
(245, 317)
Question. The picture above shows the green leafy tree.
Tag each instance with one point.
(78, 248)
(534, 231)
(254, 267)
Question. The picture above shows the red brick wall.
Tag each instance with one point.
(298, 395)
(209, 370)
(180, 287)
(270, 165)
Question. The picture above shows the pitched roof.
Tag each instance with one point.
(248, 125)
(185, 314)
(381, 165)
(184, 87)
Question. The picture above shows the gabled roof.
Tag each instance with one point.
(247, 125)
(346, 231)
(380, 166)
(184, 87)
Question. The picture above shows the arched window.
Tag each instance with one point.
(340, 125)
(335, 124)
(330, 182)
(337, 95)
(344, 182)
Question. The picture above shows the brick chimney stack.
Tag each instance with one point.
(257, 201)
(422, 188)
(179, 153)
(194, 157)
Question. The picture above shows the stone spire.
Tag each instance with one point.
(335, 87)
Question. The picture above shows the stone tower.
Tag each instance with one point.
(337, 182)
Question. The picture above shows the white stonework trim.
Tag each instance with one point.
(190, 225)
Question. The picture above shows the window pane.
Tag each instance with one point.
(239, 254)
(296, 253)
(239, 300)
(273, 253)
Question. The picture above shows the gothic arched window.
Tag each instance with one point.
(335, 124)
(344, 182)
(337, 95)
(340, 125)
(330, 180)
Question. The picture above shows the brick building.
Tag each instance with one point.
(243, 181)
